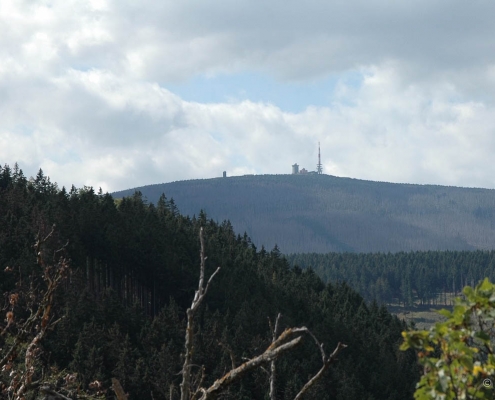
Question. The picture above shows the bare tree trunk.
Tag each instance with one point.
(279, 345)
(119, 391)
(185, 386)
(171, 392)
(272, 364)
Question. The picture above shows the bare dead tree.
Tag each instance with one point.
(277, 348)
(36, 299)
(40, 306)
(327, 361)
(286, 341)
(199, 295)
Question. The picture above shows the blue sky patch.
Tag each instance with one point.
(288, 96)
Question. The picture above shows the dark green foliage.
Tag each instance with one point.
(322, 213)
(134, 270)
(426, 277)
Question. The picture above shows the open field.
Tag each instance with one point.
(423, 315)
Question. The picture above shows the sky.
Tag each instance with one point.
(120, 94)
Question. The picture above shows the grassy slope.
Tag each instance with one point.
(326, 213)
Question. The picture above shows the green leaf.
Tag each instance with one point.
(482, 335)
(445, 313)
(485, 286)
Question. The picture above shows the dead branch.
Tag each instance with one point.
(326, 363)
(199, 295)
(271, 353)
(118, 389)
(51, 394)
(39, 321)
(279, 345)
(231, 353)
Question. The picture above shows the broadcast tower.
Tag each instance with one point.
(319, 168)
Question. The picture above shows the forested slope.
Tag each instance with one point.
(133, 271)
(392, 278)
(323, 213)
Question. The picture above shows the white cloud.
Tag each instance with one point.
(83, 89)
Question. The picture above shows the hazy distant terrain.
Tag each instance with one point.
(323, 213)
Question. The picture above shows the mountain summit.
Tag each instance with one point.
(323, 213)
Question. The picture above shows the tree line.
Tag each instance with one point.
(430, 277)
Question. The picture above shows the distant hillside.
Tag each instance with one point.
(323, 213)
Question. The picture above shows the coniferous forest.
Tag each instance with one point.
(428, 277)
(130, 273)
(324, 213)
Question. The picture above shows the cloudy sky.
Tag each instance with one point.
(124, 93)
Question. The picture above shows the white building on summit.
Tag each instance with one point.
(304, 171)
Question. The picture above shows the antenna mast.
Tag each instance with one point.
(319, 169)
